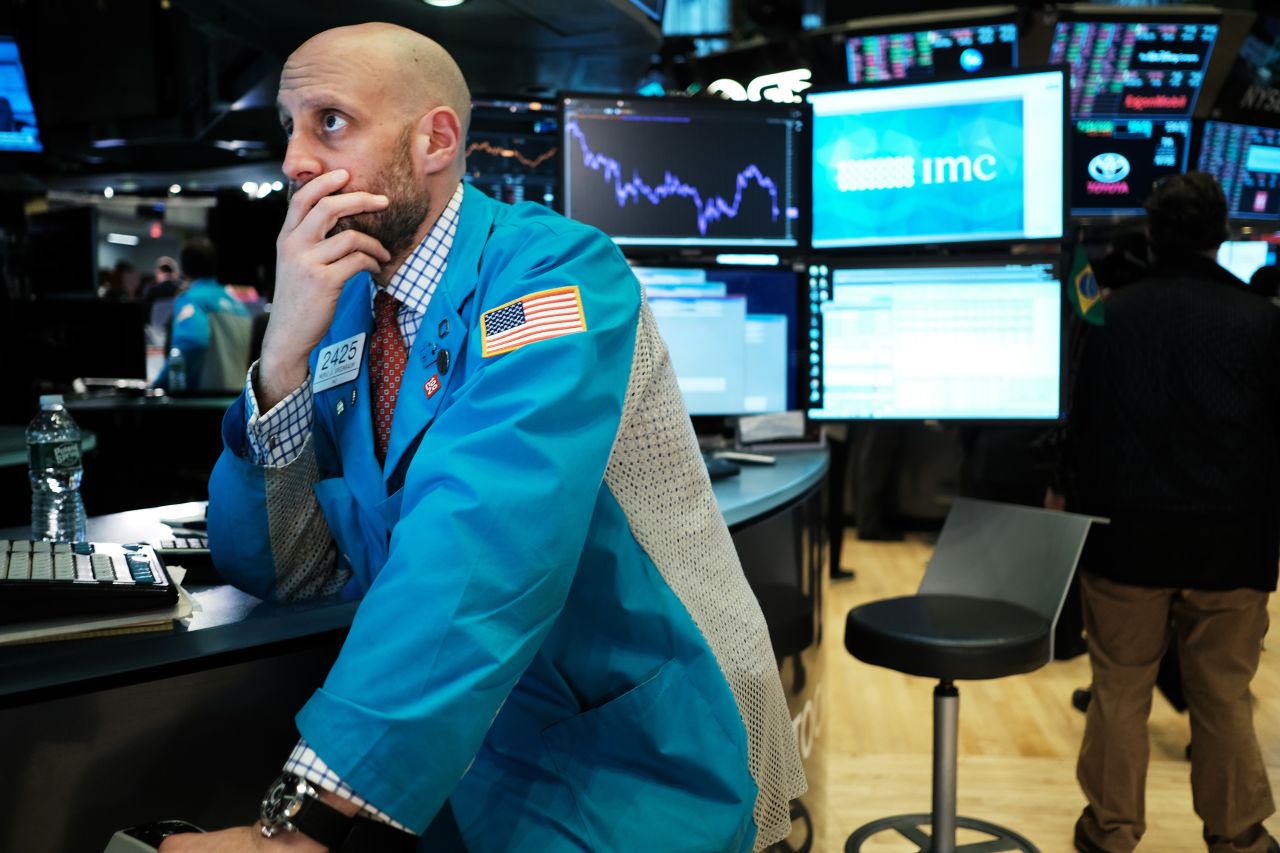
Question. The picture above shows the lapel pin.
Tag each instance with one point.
(353, 396)
(340, 408)
(442, 361)
(444, 328)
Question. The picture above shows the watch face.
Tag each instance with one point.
(282, 802)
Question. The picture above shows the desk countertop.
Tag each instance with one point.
(229, 624)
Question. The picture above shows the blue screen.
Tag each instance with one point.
(955, 342)
(970, 160)
(18, 131)
(731, 334)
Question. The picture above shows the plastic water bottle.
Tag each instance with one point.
(53, 451)
(177, 370)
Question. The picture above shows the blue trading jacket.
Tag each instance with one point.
(554, 632)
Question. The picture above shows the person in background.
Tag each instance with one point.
(158, 297)
(1265, 282)
(1171, 436)
(211, 329)
(464, 416)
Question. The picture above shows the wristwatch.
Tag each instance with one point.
(292, 805)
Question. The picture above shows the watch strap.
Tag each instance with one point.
(322, 823)
(373, 836)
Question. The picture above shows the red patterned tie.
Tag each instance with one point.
(387, 358)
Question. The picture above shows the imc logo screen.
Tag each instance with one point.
(946, 172)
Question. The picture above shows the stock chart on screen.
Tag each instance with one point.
(926, 53)
(511, 150)
(1134, 68)
(680, 172)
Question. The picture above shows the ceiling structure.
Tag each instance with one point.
(150, 92)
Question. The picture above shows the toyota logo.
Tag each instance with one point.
(1109, 168)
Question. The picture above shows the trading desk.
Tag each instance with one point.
(103, 733)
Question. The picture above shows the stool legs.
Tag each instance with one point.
(936, 832)
(946, 722)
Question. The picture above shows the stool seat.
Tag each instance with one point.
(949, 636)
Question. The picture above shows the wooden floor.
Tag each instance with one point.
(1018, 736)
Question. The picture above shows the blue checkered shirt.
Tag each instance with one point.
(278, 436)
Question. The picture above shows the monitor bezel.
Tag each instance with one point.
(981, 244)
(996, 18)
(1060, 262)
(796, 379)
(702, 252)
(1138, 15)
(1199, 129)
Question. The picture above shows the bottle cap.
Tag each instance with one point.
(50, 400)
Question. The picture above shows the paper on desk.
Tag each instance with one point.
(80, 627)
(771, 427)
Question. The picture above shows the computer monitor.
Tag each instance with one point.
(1116, 161)
(1243, 258)
(1134, 66)
(681, 172)
(1246, 161)
(942, 51)
(18, 128)
(938, 341)
(511, 150)
(970, 160)
(732, 334)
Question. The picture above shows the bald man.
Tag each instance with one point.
(463, 416)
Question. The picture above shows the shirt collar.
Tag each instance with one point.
(416, 279)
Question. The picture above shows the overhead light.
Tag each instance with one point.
(444, 4)
(264, 189)
(110, 143)
(175, 188)
(108, 192)
(249, 187)
(123, 239)
(277, 185)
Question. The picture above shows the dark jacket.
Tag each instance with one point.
(1174, 433)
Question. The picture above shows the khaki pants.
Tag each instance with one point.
(1219, 638)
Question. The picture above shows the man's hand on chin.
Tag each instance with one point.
(240, 839)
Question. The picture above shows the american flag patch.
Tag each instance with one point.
(536, 317)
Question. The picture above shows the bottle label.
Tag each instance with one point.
(64, 454)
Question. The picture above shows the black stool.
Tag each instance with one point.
(985, 609)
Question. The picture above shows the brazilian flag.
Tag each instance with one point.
(1082, 289)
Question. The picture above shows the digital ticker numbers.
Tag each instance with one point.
(683, 173)
(1127, 68)
(922, 54)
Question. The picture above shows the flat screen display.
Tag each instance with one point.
(941, 52)
(944, 162)
(18, 128)
(732, 334)
(1246, 161)
(676, 172)
(511, 150)
(954, 342)
(1134, 67)
(1115, 162)
(1243, 258)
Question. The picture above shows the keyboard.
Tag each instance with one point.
(48, 580)
(192, 553)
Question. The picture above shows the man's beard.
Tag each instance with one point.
(396, 225)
